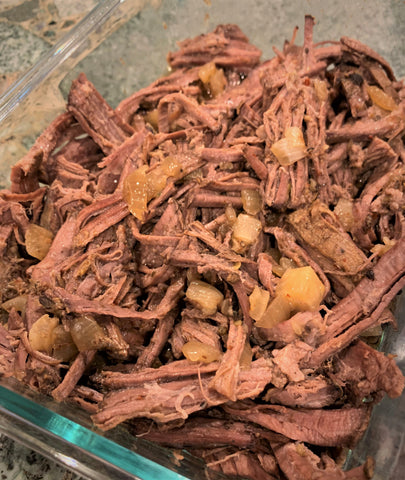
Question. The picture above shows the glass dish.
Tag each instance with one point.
(122, 46)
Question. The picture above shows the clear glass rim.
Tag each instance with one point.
(90, 453)
(62, 50)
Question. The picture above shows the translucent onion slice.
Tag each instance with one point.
(204, 296)
(302, 288)
(135, 192)
(381, 99)
(291, 148)
(63, 347)
(40, 335)
(286, 263)
(299, 290)
(19, 303)
(152, 118)
(277, 269)
(245, 360)
(213, 78)
(226, 308)
(206, 72)
(217, 82)
(246, 231)
(171, 166)
(142, 186)
(258, 301)
(230, 214)
(200, 352)
(251, 201)
(155, 183)
(38, 241)
(279, 310)
(87, 334)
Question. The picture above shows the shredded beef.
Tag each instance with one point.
(367, 373)
(297, 461)
(115, 216)
(334, 427)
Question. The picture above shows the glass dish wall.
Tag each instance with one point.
(122, 46)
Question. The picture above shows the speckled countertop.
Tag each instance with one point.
(20, 463)
(27, 30)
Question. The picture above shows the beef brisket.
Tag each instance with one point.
(25, 174)
(297, 461)
(226, 377)
(366, 373)
(227, 46)
(333, 427)
(177, 399)
(312, 392)
(95, 116)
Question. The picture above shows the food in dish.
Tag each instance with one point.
(211, 261)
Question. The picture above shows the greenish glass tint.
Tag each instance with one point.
(84, 438)
(113, 458)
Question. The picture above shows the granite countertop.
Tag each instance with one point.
(20, 463)
(28, 28)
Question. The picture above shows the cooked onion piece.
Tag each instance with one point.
(156, 179)
(277, 269)
(135, 192)
(381, 99)
(258, 301)
(38, 240)
(206, 72)
(19, 303)
(213, 78)
(217, 82)
(230, 214)
(87, 334)
(291, 148)
(251, 201)
(171, 166)
(204, 296)
(282, 266)
(200, 352)
(155, 183)
(302, 288)
(152, 118)
(142, 185)
(63, 347)
(246, 230)
(279, 310)
(245, 360)
(40, 335)
(299, 290)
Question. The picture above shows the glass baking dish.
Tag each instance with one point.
(122, 46)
